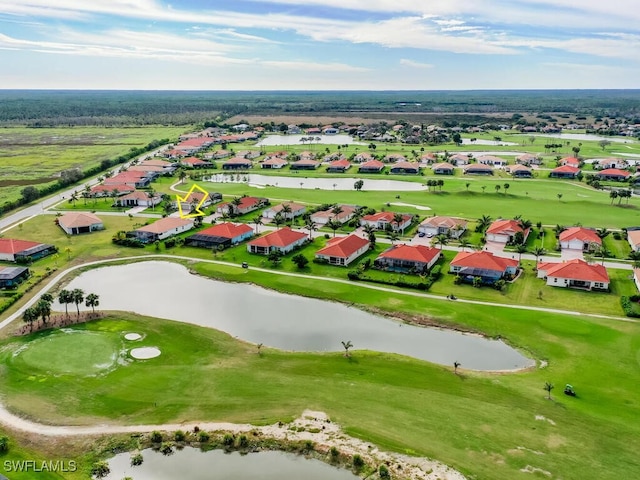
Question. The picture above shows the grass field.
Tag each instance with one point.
(483, 424)
(34, 156)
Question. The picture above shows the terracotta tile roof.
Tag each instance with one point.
(156, 163)
(343, 247)
(275, 161)
(227, 230)
(483, 260)
(347, 210)
(478, 166)
(121, 187)
(78, 219)
(294, 207)
(566, 169)
(238, 161)
(306, 162)
(385, 216)
(406, 165)
(440, 221)
(146, 168)
(442, 165)
(193, 161)
(342, 163)
(634, 236)
(491, 159)
(585, 235)
(411, 253)
(519, 168)
(138, 195)
(377, 164)
(280, 238)
(13, 246)
(575, 270)
(128, 175)
(573, 161)
(609, 172)
(506, 227)
(165, 224)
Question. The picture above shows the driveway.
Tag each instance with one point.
(494, 247)
(571, 254)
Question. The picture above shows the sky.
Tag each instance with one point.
(319, 44)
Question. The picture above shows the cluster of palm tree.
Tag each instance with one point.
(620, 194)
(42, 308)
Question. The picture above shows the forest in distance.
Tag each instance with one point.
(44, 108)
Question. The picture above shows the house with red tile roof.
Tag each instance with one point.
(489, 267)
(130, 178)
(504, 231)
(478, 169)
(613, 174)
(339, 166)
(579, 238)
(295, 210)
(246, 205)
(459, 160)
(195, 162)
(363, 157)
(571, 161)
(221, 234)
(565, 171)
(371, 166)
(343, 250)
(74, 223)
(196, 199)
(161, 229)
(402, 167)
(633, 237)
(408, 258)
(636, 277)
(274, 163)
(519, 171)
(138, 198)
(284, 241)
(492, 160)
(529, 159)
(574, 274)
(611, 163)
(108, 190)
(443, 168)
(14, 250)
(305, 165)
(322, 217)
(237, 163)
(382, 219)
(450, 226)
(428, 158)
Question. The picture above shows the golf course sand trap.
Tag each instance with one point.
(132, 336)
(417, 207)
(144, 353)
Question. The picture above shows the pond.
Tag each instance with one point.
(307, 183)
(193, 464)
(341, 139)
(288, 322)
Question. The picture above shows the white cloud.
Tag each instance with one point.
(312, 66)
(413, 64)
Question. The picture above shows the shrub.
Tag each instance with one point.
(308, 445)
(353, 275)
(228, 439)
(136, 460)
(358, 462)
(436, 272)
(630, 306)
(243, 441)
(166, 448)
(4, 444)
(100, 469)
(203, 436)
(179, 436)
(334, 453)
(383, 471)
(156, 437)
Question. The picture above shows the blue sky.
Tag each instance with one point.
(319, 44)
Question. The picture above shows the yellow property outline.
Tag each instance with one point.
(198, 212)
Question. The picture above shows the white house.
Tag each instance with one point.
(579, 238)
(163, 228)
(343, 250)
(574, 274)
(74, 223)
(296, 210)
(450, 226)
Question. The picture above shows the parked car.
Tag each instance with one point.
(421, 234)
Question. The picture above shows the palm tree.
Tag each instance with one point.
(394, 236)
(468, 184)
(257, 221)
(370, 230)
(74, 198)
(235, 204)
(464, 243)
(548, 387)
(538, 252)
(43, 308)
(347, 345)
(47, 297)
(77, 297)
(29, 316)
(398, 218)
(278, 219)
(441, 239)
(336, 210)
(483, 187)
(525, 224)
(497, 187)
(286, 210)
(506, 187)
(92, 301)
(613, 194)
(151, 194)
(602, 232)
(559, 196)
(182, 175)
(65, 298)
(455, 367)
(520, 249)
(333, 225)
(484, 222)
(311, 226)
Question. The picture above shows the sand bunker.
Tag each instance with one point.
(144, 353)
(133, 336)
(418, 207)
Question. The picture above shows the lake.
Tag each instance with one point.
(341, 139)
(311, 183)
(193, 464)
(584, 137)
(288, 322)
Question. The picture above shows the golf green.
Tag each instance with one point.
(71, 352)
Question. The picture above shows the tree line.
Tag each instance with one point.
(42, 308)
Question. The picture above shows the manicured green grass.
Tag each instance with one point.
(84, 354)
(474, 422)
(36, 155)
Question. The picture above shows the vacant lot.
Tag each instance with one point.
(36, 156)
